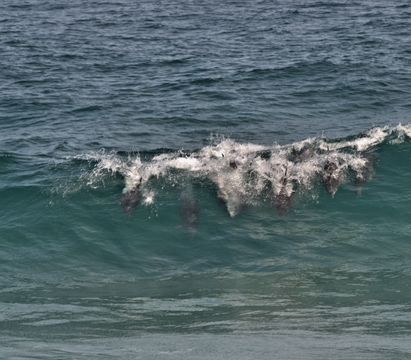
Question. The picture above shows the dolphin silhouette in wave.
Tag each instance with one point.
(131, 199)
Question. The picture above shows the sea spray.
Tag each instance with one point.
(245, 174)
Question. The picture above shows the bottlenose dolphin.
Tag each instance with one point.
(332, 178)
(130, 200)
(366, 174)
(301, 155)
(284, 200)
(190, 211)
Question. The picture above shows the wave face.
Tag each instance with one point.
(229, 206)
(248, 174)
(205, 245)
(231, 238)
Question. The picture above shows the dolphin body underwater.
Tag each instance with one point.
(190, 211)
(283, 202)
(130, 200)
(284, 199)
(367, 173)
(332, 177)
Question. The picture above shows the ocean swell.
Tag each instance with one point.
(246, 174)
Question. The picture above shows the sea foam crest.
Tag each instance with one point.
(244, 173)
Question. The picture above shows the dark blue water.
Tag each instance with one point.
(205, 180)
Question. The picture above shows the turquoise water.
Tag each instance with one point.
(197, 180)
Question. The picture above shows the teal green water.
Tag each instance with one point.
(77, 269)
(205, 180)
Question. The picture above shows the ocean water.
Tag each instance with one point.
(205, 180)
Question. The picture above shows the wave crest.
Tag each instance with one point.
(244, 172)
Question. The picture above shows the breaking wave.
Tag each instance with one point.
(246, 174)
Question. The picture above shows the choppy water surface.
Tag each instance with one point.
(205, 180)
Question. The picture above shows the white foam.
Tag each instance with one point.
(243, 172)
